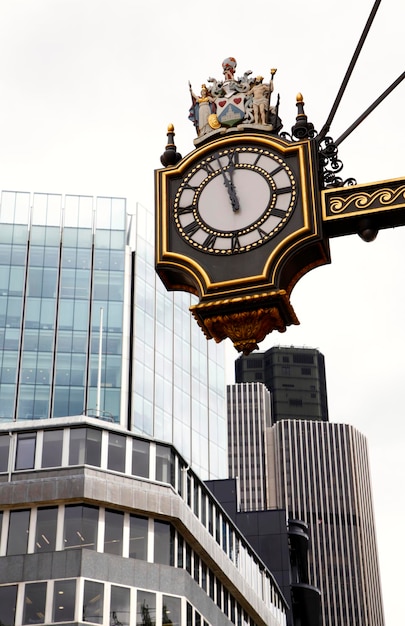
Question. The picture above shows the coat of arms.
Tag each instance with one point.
(233, 101)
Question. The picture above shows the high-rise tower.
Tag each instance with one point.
(316, 470)
(295, 377)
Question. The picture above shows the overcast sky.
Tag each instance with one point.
(87, 89)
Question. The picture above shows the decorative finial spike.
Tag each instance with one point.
(302, 129)
(170, 156)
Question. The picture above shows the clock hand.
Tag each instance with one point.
(230, 187)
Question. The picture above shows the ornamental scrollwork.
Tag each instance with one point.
(363, 200)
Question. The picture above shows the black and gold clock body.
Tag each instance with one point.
(234, 216)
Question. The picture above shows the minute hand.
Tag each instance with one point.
(231, 190)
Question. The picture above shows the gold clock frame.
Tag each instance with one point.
(246, 305)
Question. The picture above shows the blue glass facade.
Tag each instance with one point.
(61, 261)
(178, 391)
(72, 265)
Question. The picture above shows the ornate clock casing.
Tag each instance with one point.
(237, 224)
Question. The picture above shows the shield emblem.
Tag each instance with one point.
(230, 109)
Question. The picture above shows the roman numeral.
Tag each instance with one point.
(183, 210)
(278, 212)
(262, 232)
(257, 159)
(277, 170)
(235, 244)
(207, 167)
(191, 228)
(233, 157)
(284, 190)
(210, 241)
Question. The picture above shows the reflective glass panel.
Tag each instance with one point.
(85, 446)
(25, 451)
(119, 606)
(4, 447)
(18, 532)
(34, 603)
(80, 530)
(114, 521)
(164, 464)
(64, 598)
(93, 602)
(45, 536)
(52, 448)
(171, 611)
(138, 537)
(145, 608)
(140, 458)
(116, 452)
(163, 542)
(8, 601)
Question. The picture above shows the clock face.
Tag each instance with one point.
(234, 199)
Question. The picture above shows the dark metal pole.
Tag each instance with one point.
(370, 109)
(349, 71)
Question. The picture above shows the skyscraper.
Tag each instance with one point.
(295, 377)
(322, 476)
(318, 472)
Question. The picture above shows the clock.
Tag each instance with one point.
(234, 199)
(238, 224)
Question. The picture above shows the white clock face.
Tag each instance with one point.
(234, 199)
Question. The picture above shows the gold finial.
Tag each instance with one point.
(300, 97)
(170, 128)
(273, 71)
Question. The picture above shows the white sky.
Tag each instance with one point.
(87, 89)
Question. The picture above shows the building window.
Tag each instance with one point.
(25, 451)
(138, 537)
(34, 603)
(116, 452)
(80, 530)
(145, 608)
(45, 536)
(18, 532)
(114, 523)
(140, 458)
(164, 540)
(120, 606)
(164, 464)
(171, 610)
(64, 599)
(306, 371)
(85, 446)
(295, 401)
(4, 447)
(52, 448)
(93, 600)
(8, 602)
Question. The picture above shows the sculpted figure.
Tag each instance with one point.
(260, 92)
(202, 108)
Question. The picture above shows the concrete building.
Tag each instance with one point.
(100, 526)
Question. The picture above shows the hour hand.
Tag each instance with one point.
(231, 189)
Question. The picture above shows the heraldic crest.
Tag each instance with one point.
(233, 101)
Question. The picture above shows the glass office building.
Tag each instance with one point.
(87, 328)
(60, 266)
(178, 390)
